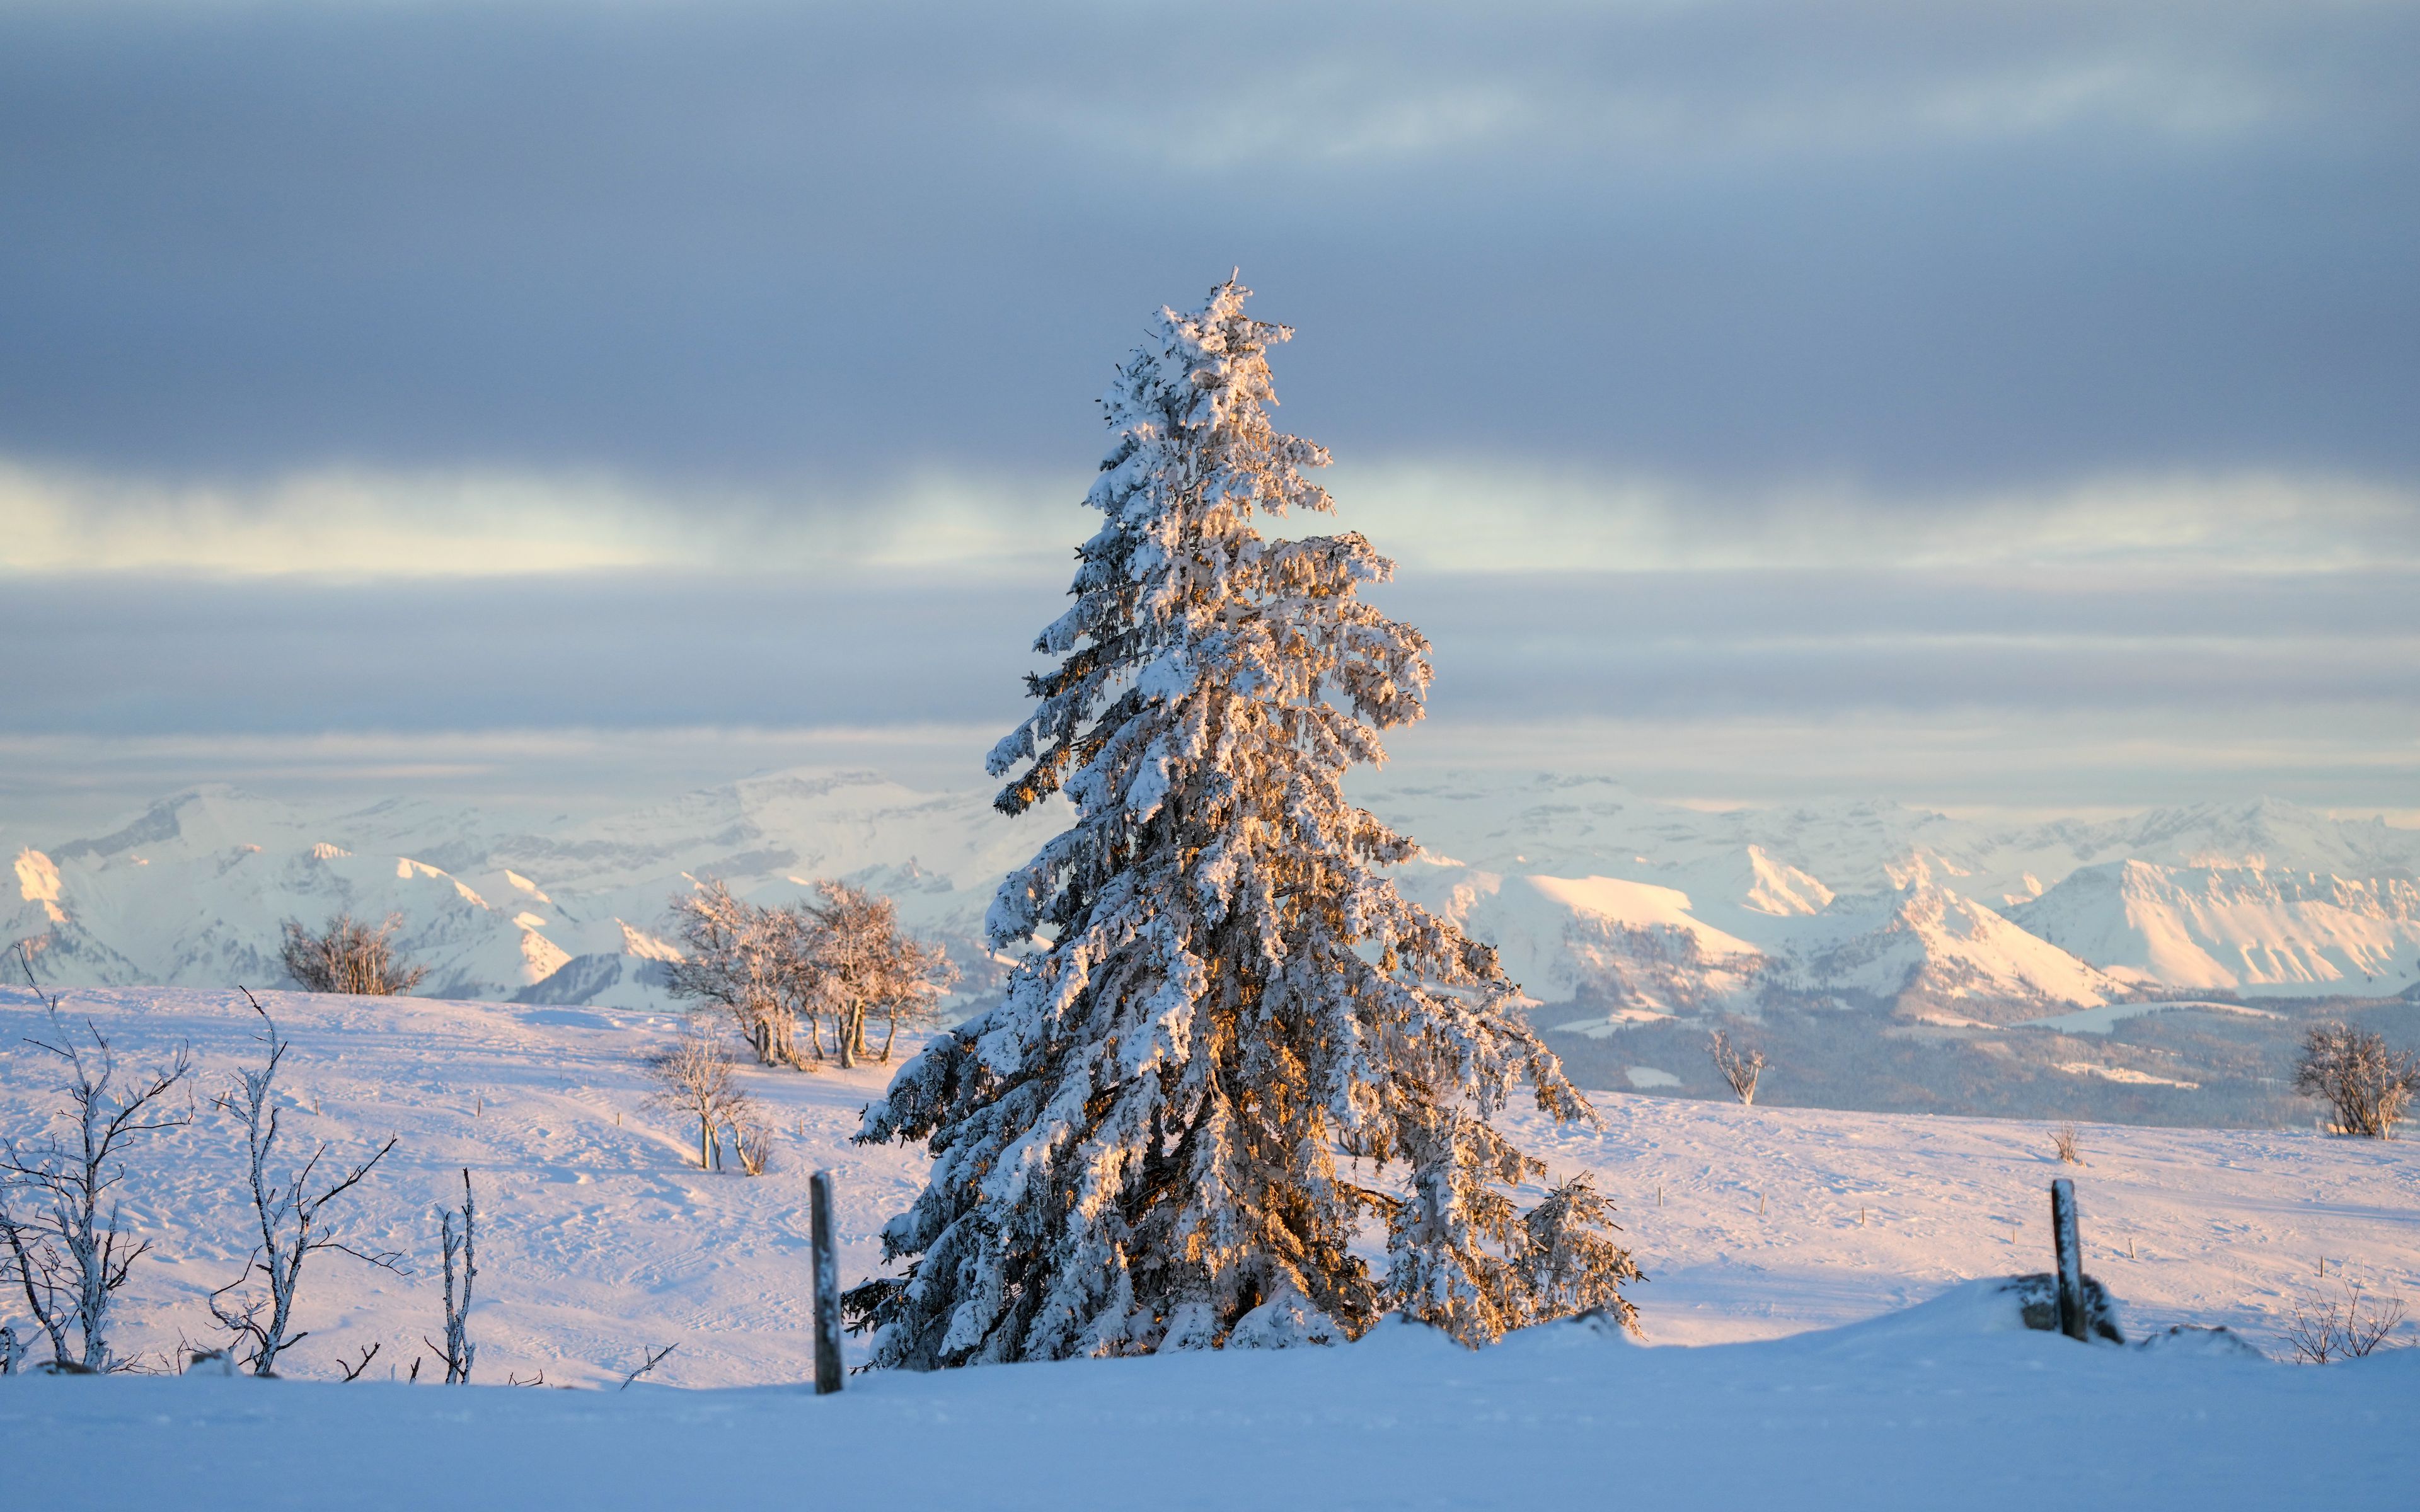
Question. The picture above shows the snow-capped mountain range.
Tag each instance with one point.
(1627, 908)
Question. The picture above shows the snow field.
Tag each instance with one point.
(600, 1236)
(597, 1238)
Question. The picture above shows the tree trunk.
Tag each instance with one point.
(704, 1133)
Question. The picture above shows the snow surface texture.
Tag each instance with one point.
(599, 1236)
(1872, 1377)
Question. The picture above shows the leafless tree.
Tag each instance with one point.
(864, 966)
(2369, 1085)
(1740, 1070)
(460, 1248)
(65, 1248)
(290, 1210)
(349, 957)
(837, 961)
(351, 1370)
(12, 1349)
(744, 959)
(697, 1078)
(2063, 1144)
(2342, 1328)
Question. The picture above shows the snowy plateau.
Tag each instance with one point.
(2154, 968)
(1821, 1318)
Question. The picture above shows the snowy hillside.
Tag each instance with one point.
(2243, 928)
(191, 891)
(1753, 1224)
(605, 1235)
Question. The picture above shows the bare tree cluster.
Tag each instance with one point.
(290, 1209)
(66, 1250)
(697, 1079)
(1740, 1070)
(828, 967)
(349, 957)
(2064, 1144)
(2369, 1085)
(2342, 1328)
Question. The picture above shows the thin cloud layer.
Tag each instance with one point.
(1454, 516)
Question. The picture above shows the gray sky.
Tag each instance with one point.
(1989, 405)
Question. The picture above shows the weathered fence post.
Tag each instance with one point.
(2070, 1259)
(826, 1279)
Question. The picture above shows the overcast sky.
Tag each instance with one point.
(1982, 405)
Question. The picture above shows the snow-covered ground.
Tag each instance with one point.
(601, 1236)
(1759, 1227)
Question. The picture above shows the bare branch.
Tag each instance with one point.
(654, 1358)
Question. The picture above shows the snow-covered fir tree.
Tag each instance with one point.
(1240, 1042)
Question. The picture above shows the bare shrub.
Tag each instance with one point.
(66, 1250)
(2369, 1085)
(2345, 1327)
(289, 1211)
(1740, 1070)
(2063, 1144)
(751, 1140)
(349, 957)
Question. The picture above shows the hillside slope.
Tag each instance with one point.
(602, 1237)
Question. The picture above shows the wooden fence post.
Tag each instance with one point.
(826, 1279)
(2070, 1259)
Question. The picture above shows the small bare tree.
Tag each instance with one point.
(697, 1078)
(2369, 1085)
(865, 965)
(65, 1247)
(460, 1251)
(2063, 1144)
(288, 1209)
(1741, 1071)
(2342, 1328)
(349, 957)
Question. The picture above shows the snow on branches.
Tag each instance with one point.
(1240, 1042)
(840, 960)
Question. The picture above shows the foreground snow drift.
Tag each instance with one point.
(1942, 1406)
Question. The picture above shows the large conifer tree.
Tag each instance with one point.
(1240, 1041)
